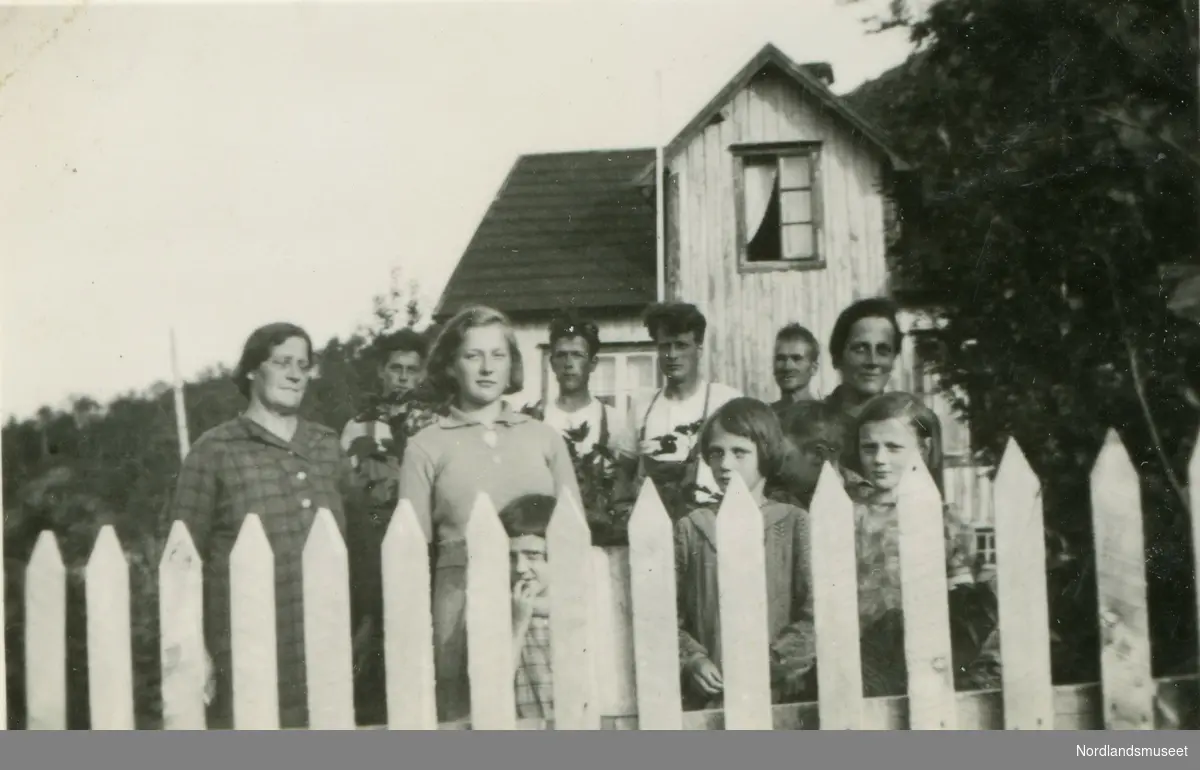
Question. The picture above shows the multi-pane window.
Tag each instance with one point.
(985, 545)
(621, 376)
(778, 199)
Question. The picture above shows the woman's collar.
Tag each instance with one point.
(457, 418)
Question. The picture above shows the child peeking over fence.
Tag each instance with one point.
(744, 437)
(526, 519)
(897, 434)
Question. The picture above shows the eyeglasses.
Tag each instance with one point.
(285, 364)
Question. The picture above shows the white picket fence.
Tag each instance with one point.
(613, 615)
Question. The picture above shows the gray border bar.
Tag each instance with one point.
(601, 750)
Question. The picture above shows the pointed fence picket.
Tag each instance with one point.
(489, 621)
(181, 610)
(252, 629)
(742, 592)
(835, 603)
(46, 632)
(1194, 494)
(3, 614)
(644, 591)
(109, 638)
(1021, 594)
(408, 624)
(654, 608)
(927, 651)
(1121, 585)
(326, 574)
(572, 609)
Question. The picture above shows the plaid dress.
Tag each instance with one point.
(534, 678)
(237, 468)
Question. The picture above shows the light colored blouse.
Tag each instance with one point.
(450, 462)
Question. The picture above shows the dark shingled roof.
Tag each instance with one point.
(571, 229)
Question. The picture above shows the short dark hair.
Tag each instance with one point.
(568, 325)
(795, 332)
(259, 346)
(754, 420)
(445, 348)
(402, 341)
(528, 515)
(675, 318)
(806, 420)
(874, 307)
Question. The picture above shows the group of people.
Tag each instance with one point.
(443, 430)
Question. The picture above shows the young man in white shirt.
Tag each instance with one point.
(668, 424)
(584, 422)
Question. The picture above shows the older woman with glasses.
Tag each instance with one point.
(271, 462)
(480, 446)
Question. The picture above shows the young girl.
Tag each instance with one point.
(743, 437)
(896, 433)
(480, 445)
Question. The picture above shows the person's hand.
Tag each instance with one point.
(706, 676)
(524, 602)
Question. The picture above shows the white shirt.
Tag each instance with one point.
(592, 414)
(667, 415)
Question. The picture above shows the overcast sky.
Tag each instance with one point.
(216, 167)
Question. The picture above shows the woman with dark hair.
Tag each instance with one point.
(864, 345)
(480, 446)
(271, 462)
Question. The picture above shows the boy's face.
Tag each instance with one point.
(727, 454)
(527, 560)
(810, 455)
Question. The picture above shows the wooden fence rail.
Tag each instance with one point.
(613, 615)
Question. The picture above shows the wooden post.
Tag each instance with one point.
(742, 596)
(408, 624)
(329, 657)
(834, 563)
(653, 590)
(252, 626)
(489, 621)
(181, 614)
(572, 610)
(109, 635)
(925, 602)
(46, 637)
(1125, 673)
(1021, 584)
(181, 425)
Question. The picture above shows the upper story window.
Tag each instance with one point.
(778, 198)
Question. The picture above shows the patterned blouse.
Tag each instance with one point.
(236, 468)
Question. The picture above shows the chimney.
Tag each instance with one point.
(821, 70)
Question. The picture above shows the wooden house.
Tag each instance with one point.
(777, 206)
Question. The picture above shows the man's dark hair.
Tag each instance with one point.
(259, 346)
(402, 341)
(675, 318)
(875, 307)
(568, 325)
(528, 515)
(795, 332)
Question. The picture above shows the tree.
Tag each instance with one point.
(1056, 141)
